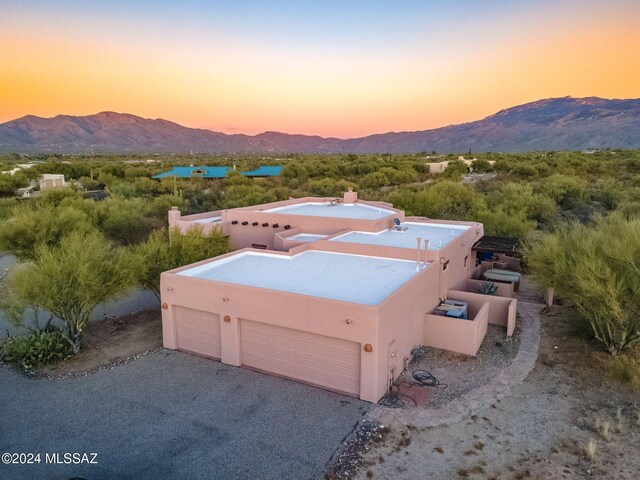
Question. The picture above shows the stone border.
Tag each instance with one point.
(482, 397)
(35, 375)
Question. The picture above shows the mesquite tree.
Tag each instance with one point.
(597, 268)
(72, 278)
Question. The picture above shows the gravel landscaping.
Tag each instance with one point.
(458, 374)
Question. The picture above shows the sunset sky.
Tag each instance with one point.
(332, 68)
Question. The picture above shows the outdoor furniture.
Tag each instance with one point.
(503, 276)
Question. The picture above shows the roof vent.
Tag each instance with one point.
(265, 224)
(275, 225)
(234, 222)
(245, 223)
(255, 224)
(287, 227)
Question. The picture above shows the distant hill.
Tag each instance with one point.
(553, 124)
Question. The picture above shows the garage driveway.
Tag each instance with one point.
(173, 415)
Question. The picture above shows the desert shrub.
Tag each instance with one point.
(244, 195)
(446, 199)
(10, 183)
(566, 190)
(328, 187)
(45, 224)
(500, 221)
(36, 348)
(597, 268)
(624, 369)
(72, 278)
(375, 180)
(454, 169)
(160, 253)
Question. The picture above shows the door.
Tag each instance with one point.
(197, 331)
(324, 361)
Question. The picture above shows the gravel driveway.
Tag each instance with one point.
(173, 415)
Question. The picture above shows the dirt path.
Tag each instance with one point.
(541, 431)
(112, 340)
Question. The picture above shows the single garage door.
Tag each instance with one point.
(324, 361)
(198, 331)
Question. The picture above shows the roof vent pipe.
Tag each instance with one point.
(426, 247)
(419, 239)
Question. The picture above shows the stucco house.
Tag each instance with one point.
(52, 180)
(331, 292)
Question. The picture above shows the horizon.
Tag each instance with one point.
(297, 133)
(332, 70)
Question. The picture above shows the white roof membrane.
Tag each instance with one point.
(438, 234)
(340, 210)
(337, 276)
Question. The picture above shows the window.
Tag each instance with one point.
(445, 265)
(199, 171)
(466, 261)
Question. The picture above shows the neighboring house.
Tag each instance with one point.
(440, 167)
(217, 172)
(331, 292)
(18, 167)
(52, 180)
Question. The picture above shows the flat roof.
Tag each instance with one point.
(337, 276)
(339, 210)
(307, 237)
(209, 220)
(438, 234)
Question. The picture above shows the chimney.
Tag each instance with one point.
(350, 196)
(174, 217)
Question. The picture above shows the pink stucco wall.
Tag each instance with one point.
(462, 336)
(502, 311)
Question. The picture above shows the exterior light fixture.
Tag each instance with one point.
(227, 318)
(368, 348)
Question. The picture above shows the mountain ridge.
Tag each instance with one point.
(560, 123)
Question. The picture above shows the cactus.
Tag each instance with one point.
(488, 288)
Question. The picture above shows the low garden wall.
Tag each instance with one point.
(502, 311)
(454, 334)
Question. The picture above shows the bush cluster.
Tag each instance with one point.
(36, 348)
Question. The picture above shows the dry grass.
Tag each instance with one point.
(603, 427)
(619, 420)
(591, 450)
(624, 369)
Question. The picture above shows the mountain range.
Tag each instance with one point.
(552, 124)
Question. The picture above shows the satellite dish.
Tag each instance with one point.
(396, 221)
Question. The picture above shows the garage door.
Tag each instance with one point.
(198, 331)
(324, 361)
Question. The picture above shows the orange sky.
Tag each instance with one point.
(335, 76)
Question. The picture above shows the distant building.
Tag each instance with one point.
(52, 180)
(440, 167)
(217, 172)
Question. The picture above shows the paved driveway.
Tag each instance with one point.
(173, 415)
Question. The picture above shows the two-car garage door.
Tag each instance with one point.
(324, 361)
